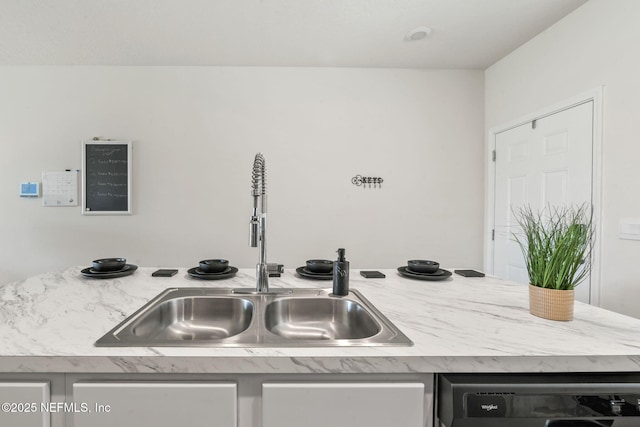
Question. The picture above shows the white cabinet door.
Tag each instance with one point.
(155, 404)
(22, 404)
(343, 404)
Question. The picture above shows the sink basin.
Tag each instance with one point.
(194, 318)
(320, 319)
(206, 317)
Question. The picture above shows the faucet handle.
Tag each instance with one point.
(275, 269)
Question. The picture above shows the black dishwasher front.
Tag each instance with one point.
(538, 400)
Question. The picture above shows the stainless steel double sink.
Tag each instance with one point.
(205, 317)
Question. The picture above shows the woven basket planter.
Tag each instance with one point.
(551, 304)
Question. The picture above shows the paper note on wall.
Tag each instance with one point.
(59, 188)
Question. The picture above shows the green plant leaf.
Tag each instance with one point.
(556, 244)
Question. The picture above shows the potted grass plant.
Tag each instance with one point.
(556, 244)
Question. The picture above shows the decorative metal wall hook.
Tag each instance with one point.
(367, 181)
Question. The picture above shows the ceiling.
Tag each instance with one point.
(471, 34)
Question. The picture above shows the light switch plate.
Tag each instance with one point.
(629, 229)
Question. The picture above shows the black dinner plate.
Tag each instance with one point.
(302, 271)
(315, 273)
(93, 274)
(438, 275)
(438, 272)
(196, 273)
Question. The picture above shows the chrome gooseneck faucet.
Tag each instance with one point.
(258, 224)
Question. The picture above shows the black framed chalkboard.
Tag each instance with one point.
(106, 177)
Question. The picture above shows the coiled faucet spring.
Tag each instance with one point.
(258, 176)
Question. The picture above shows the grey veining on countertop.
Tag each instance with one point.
(49, 322)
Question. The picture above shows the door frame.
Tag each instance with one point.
(596, 95)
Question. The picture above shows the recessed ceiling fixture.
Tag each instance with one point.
(418, 33)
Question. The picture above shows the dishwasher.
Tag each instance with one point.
(538, 400)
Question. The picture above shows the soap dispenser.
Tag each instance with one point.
(341, 275)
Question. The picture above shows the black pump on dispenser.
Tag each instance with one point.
(341, 274)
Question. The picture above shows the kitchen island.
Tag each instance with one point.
(49, 323)
(52, 375)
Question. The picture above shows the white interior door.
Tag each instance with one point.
(547, 162)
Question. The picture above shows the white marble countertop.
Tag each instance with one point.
(49, 322)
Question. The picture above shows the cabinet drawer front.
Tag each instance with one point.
(343, 404)
(22, 404)
(154, 404)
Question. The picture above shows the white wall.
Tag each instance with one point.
(195, 133)
(595, 45)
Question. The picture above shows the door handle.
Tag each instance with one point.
(579, 423)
